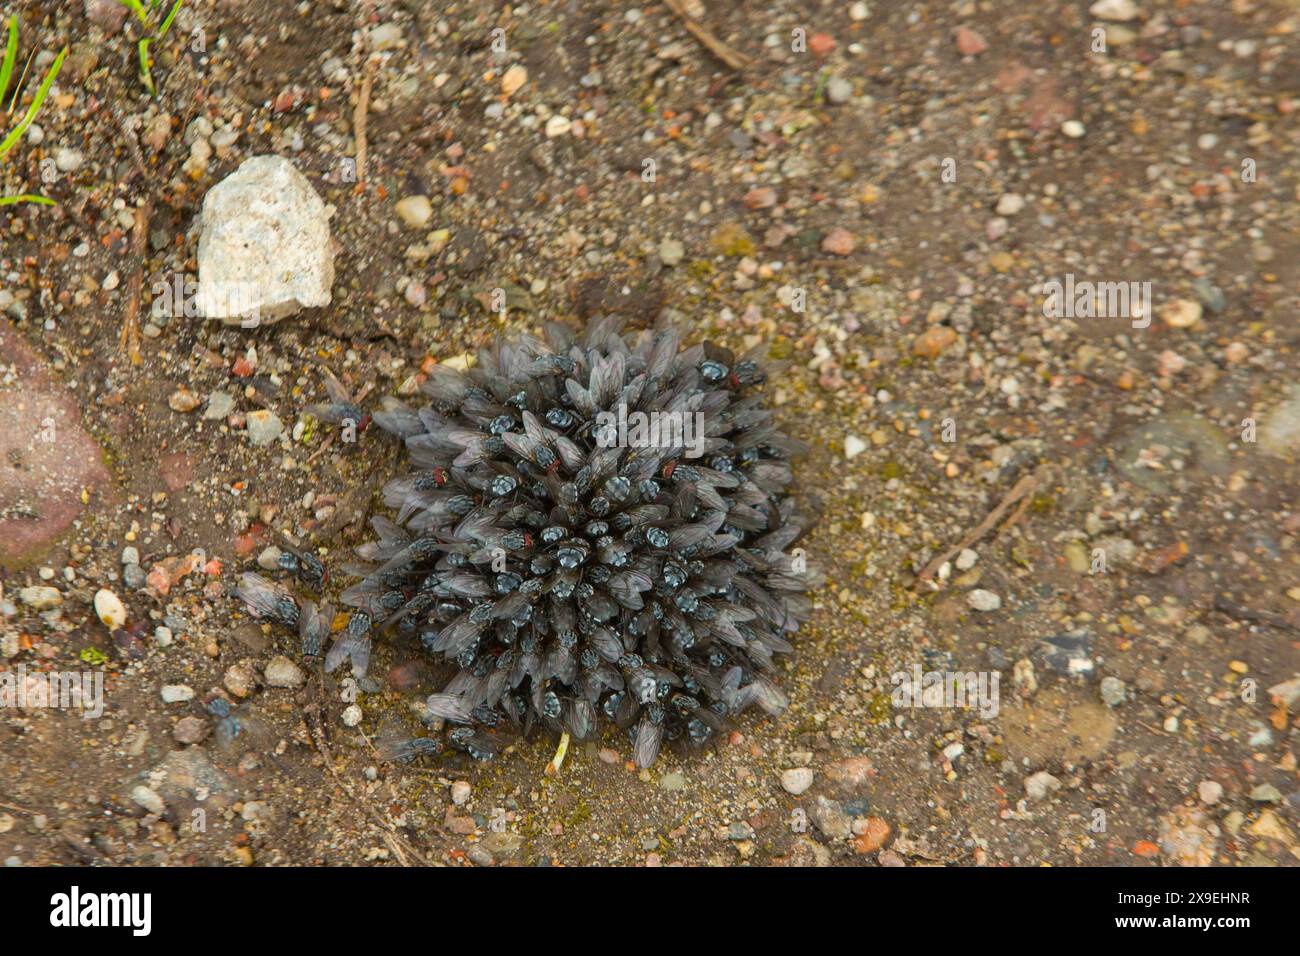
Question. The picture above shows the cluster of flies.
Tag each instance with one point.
(564, 580)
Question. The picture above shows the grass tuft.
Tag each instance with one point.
(15, 134)
(143, 14)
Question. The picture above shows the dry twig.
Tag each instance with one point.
(129, 340)
(1021, 491)
(359, 119)
(728, 55)
(314, 722)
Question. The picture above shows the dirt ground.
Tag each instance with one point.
(1099, 512)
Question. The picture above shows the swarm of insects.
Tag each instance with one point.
(598, 526)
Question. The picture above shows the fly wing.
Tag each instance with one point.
(314, 627)
(451, 707)
(626, 587)
(649, 738)
(334, 388)
(350, 646)
(267, 599)
(395, 745)
(398, 418)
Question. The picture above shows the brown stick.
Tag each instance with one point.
(314, 724)
(129, 340)
(1021, 490)
(359, 120)
(728, 55)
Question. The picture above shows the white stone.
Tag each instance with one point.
(1041, 785)
(109, 609)
(853, 446)
(796, 780)
(1118, 10)
(1210, 792)
(460, 791)
(148, 799)
(966, 559)
(1182, 313)
(386, 36)
(177, 693)
(671, 252)
(282, 672)
(40, 598)
(415, 211)
(557, 125)
(983, 600)
(1010, 204)
(264, 250)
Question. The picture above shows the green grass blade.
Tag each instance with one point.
(16, 133)
(167, 24)
(145, 76)
(27, 197)
(11, 57)
(136, 7)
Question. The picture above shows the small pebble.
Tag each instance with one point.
(282, 672)
(190, 730)
(148, 799)
(263, 427)
(177, 693)
(1041, 785)
(671, 252)
(1266, 793)
(415, 211)
(40, 598)
(68, 160)
(1113, 691)
(1010, 204)
(220, 405)
(796, 780)
(1182, 314)
(839, 90)
(109, 609)
(239, 679)
(983, 600)
(183, 400)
